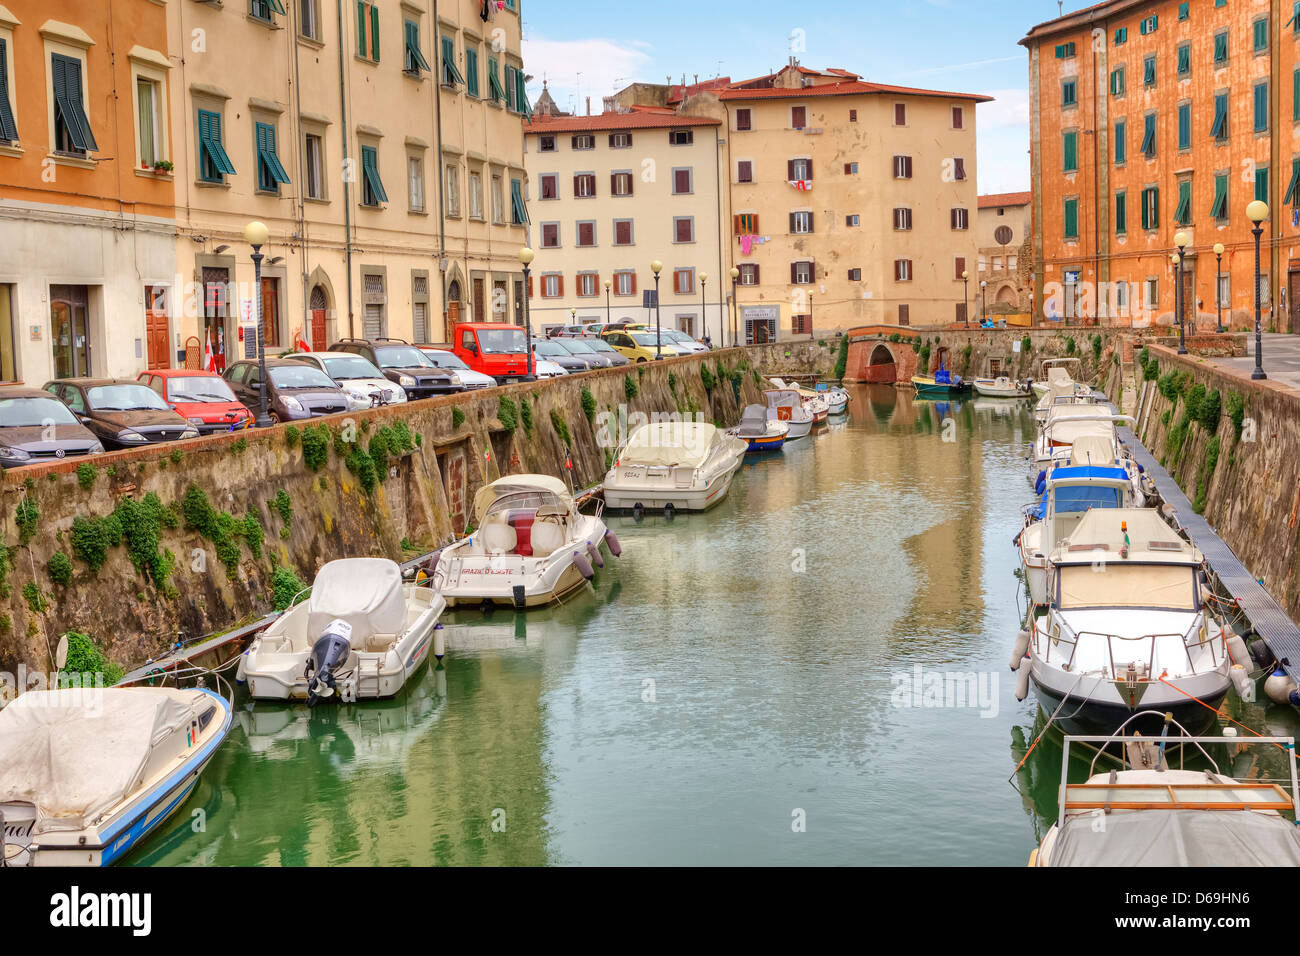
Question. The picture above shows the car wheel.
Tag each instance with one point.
(640, 361)
(275, 418)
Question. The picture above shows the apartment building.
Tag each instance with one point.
(851, 202)
(1153, 118)
(89, 254)
(1004, 227)
(613, 193)
(382, 145)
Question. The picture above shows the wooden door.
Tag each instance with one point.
(1189, 301)
(155, 326)
(317, 306)
(1293, 299)
(271, 312)
(480, 304)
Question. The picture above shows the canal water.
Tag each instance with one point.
(815, 672)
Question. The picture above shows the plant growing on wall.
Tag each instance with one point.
(86, 663)
(508, 413)
(457, 417)
(27, 515)
(526, 415)
(283, 506)
(1026, 345)
(707, 378)
(589, 404)
(86, 474)
(561, 428)
(629, 387)
(842, 361)
(60, 569)
(34, 597)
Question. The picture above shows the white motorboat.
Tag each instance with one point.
(362, 633)
(1058, 389)
(786, 405)
(1001, 387)
(835, 398)
(86, 774)
(532, 546)
(1067, 424)
(759, 432)
(1147, 814)
(1125, 629)
(687, 466)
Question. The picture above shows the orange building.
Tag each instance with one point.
(1151, 118)
(85, 189)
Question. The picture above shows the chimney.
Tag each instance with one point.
(589, 106)
(697, 79)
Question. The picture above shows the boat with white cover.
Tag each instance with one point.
(1070, 423)
(1147, 814)
(362, 633)
(1001, 387)
(761, 433)
(1126, 628)
(786, 405)
(87, 774)
(835, 398)
(685, 465)
(532, 546)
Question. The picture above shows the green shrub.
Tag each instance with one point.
(198, 512)
(1195, 395)
(254, 535)
(240, 445)
(363, 466)
(34, 597)
(92, 537)
(630, 387)
(28, 516)
(457, 417)
(526, 415)
(1069, 345)
(86, 474)
(842, 360)
(1169, 385)
(895, 337)
(86, 663)
(284, 506)
(1026, 345)
(561, 428)
(177, 456)
(1096, 347)
(672, 383)
(1208, 464)
(292, 435)
(1236, 408)
(379, 453)
(315, 446)
(589, 403)
(1209, 411)
(707, 378)
(285, 584)
(508, 413)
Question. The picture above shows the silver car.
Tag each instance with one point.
(363, 384)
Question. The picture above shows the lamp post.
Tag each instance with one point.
(526, 259)
(983, 300)
(1181, 240)
(607, 284)
(735, 274)
(1257, 212)
(656, 267)
(1218, 284)
(965, 299)
(256, 234)
(810, 316)
(704, 304)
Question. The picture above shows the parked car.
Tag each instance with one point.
(575, 331)
(121, 413)
(554, 351)
(640, 346)
(452, 362)
(35, 426)
(363, 384)
(404, 364)
(584, 349)
(202, 398)
(493, 348)
(684, 341)
(294, 390)
(544, 368)
(604, 348)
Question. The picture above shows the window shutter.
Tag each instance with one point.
(898, 268)
(735, 225)
(811, 227)
(907, 166)
(789, 170)
(559, 284)
(960, 267)
(634, 283)
(791, 222)
(374, 33)
(361, 28)
(808, 164)
(794, 272)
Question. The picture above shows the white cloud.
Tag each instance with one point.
(1003, 130)
(575, 69)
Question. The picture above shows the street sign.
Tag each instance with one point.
(649, 298)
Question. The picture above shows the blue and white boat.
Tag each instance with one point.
(759, 432)
(87, 774)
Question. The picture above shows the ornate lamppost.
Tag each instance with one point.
(526, 259)
(656, 267)
(1218, 284)
(256, 234)
(965, 299)
(1181, 240)
(1257, 212)
(704, 304)
(735, 274)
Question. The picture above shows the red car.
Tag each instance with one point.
(201, 398)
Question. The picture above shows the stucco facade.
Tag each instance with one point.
(1003, 280)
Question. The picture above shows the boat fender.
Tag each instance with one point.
(1237, 648)
(1241, 681)
(1261, 655)
(240, 670)
(439, 642)
(594, 551)
(1279, 687)
(611, 540)
(1022, 680)
(638, 511)
(583, 564)
(1040, 485)
(1021, 648)
(669, 510)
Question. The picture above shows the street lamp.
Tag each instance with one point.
(735, 274)
(526, 259)
(983, 300)
(965, 299)
(704, 304)
(1218, 284)
(1257, 212)
(607, 284)
(810, 316)
(256, 234)
(1180, 240)
(656, 267)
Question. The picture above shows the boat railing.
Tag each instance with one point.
(1110, 639)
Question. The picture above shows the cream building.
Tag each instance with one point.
(380, 142)
(612, 193)
(1004, 229)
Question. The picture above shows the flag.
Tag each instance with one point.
(300, 343)
(209, 362)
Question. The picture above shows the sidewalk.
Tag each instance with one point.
(1281, 359)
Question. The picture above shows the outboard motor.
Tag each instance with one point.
(328, 655)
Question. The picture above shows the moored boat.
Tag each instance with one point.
(1001, 387)
(685, 465)
(941, 384)
(759, 432)
(785, 405)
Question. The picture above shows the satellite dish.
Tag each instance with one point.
(61, 655)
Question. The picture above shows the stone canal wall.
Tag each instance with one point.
(143, 546)
(1233, 445)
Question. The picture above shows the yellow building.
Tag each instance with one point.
(382, 145)
(851, 203)
(612, 193)
(1004, 229)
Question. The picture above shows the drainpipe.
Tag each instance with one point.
(347, 192)
(301, 204)
(731, 206)
(437, 166)
(717, 172)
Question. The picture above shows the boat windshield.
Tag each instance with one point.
(1115, 584)
(527, 501)
(1082, 497)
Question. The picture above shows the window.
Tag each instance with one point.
(584, 185)
(959, 218)
(683, 181)
(147, 97)
(745, 171)
(1295, 96)
(1259, 31)
(1225, 287)
(1151, 207)
(413, 61)
(801, 222)
(8, 128)
(853, 116)
(498, 199)
(620, 184)
(552, 286)
(1148, 25)
(1149, 136)
(476, 196)
(1261, 183)
(625, 283)
(1221, 47)
(71, 127)
(798, 117)
(850, 169)
(902, 167)
(1261, 107)
(1184, 59)
(802, 273)
(684, 281)
(586, 234)
(959, 169)
(550, 235)
(583, 141)
(415, 184)
(852, 220)
(1070, 152)
(1069, 93)
(495, 90)
(512, 88)
(367, 31)
(681, 137)
(620, 140)
(1121, 213)
(372, 187)
(900, 114)
(904, 315)
(308, 19)
(745, 223)
(518, 211)
(1182, 11)
(214, 164)
(1121, 36)
(451, 180)
(1220, 128)
(314, 165)
(683, 229)
(744, 120)
(622, 232)
(1072, 219)
(1184, 126)
(1220, 208)
(958, 118)
(262, 9)
(1149, 70)
(587, 283)
(548, 186)
(801, 325)
(902, 270)
(902, 218)
(1117, 81)
(1183, 214)
(1064, 51)
(799, 170)
(748, 273)
(546, 144)
(1121, 145)
(471, 71)
(270, 172)
(958, 266)
(1153, 293)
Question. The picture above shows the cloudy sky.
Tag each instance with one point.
(956, 45)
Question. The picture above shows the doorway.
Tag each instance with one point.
(317, 306)
(1293, 300)
(155, 326)
(70, 330)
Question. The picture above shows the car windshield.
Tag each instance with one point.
(202, 389)
(299, 376)
(401, 356)
(576, 345)
(445, 360)
(549, 348)
(648, 339)
(25, 412)
(600, 345)
(502, 340)
(123, 398)
(344, 367)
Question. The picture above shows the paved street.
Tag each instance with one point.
(1281, 358)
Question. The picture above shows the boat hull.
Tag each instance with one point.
(692, 499)
(1097, 705)
(995, 391)
(765, 443)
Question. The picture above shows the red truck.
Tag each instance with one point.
(495, 349)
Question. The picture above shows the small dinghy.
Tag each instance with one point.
(685, 465)
(761, 433)
(785, 405)
(1001, 387)
(836, 398)
(532, 547)
(361, 635)
(86, 774)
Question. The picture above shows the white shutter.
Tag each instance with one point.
(372, 322)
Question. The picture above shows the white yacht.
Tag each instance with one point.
(687, 466)
(786, 405)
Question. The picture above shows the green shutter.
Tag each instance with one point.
(521, 97)
(1261, 34)
(277, 7)
(1220, 47)
(1295, 96)
(1294, 22)
(1121, 36)
(517, 208)
(1183, 214)
(1149, 136)
(1261, 184)
(1149, 71)
(450, 75)
(512, 87)
(270, 171)
(471, 71)
(66, 74)
(210, 142)
(374, 34)
(1072, 219)
(1220, 208)
(361, 28)
(1220, 128)
(1185, 126)
(415, 61)
(1121, 145)
(8, 128)
(1121, 213)
(1261, 107)
(1293, 187)
(370, 169)
(1184, 60)
(1069, 93)
(1182, 11)
(494, 81)
(1071, 152)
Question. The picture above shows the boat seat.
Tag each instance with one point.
(499, 538)
(522, 522)
(548, 536)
